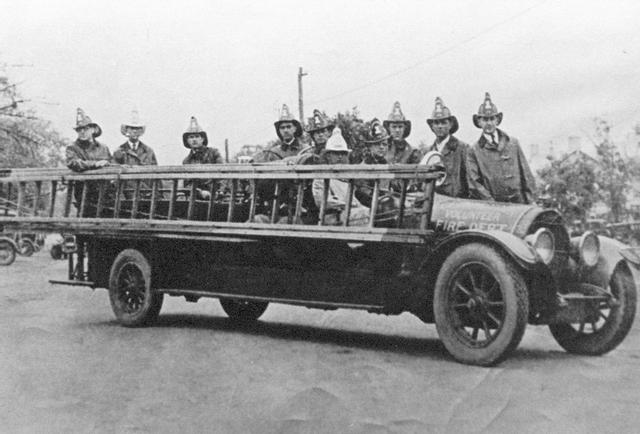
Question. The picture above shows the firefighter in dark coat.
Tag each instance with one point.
(399, 151)
(195, 139)
(86, 152)
(496, 165)
(289, 131)
(375, 137)
(134, 153)
(453, 151)
(319, 128)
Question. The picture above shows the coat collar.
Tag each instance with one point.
(295, 145)
(126, 146)
(450, 146)
(503, 138)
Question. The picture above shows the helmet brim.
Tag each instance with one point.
(476, 119)
(298, 132)
(407, 127)
(205, 141)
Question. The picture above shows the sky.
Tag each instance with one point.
(550, 66)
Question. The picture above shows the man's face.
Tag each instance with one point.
(488, 124)
(332, 157)
(133, 133)
(287, 130)
(195, 141)
(396, 129)
(85, 133)
(378, 149)
(441, 127)
(320, 137)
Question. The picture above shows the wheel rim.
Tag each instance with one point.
(599, 315)
(130, 288)
(476, 305)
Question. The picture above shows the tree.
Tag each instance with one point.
(614, 176)
(25, 139)
(570, 185)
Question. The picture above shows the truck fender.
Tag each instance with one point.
(516, 248)
(612, 254)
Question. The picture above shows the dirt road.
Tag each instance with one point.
(66, 366)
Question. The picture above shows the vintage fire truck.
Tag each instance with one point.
(481, 271)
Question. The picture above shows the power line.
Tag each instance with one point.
(433, 56)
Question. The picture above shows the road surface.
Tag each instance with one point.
(66, 366)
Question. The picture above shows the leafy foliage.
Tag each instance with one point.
(25, 140)
(570, 185)
(575, 182)
(614, 174)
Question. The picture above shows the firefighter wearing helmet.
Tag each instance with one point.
(86, 152)
(133, 152)
(320, 128)
(454, 151)
(399, 151)
(195, 139)
(289, 130)
(496, 165)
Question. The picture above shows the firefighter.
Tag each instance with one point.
(399, 150)
(496, 167)
(374, 137)
(319, 128)
(86, 152)
(133, 152)
(195, 139)
(337, 152)
(454, 152)
(289, 131)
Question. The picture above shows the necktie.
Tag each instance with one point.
(493, 139)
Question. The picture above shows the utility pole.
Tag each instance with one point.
(226, 150)
(300, 104)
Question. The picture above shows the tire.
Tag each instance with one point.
(25, 247)
(480, 292)
(7, 253)
(56, 251)
(243, 310)
(612, 323)
(133, 300)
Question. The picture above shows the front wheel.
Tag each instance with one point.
(7, 253)
(608, 322)
(133, 300)
(481, 305)
(243, 310)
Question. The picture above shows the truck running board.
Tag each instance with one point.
(73, 283)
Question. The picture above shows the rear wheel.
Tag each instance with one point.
(481, 305)
(243, 310)
(608, 322)
(133, 300)
(26, 247)
(7, 253)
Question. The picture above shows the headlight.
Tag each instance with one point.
(589, 248)
(543, 243)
